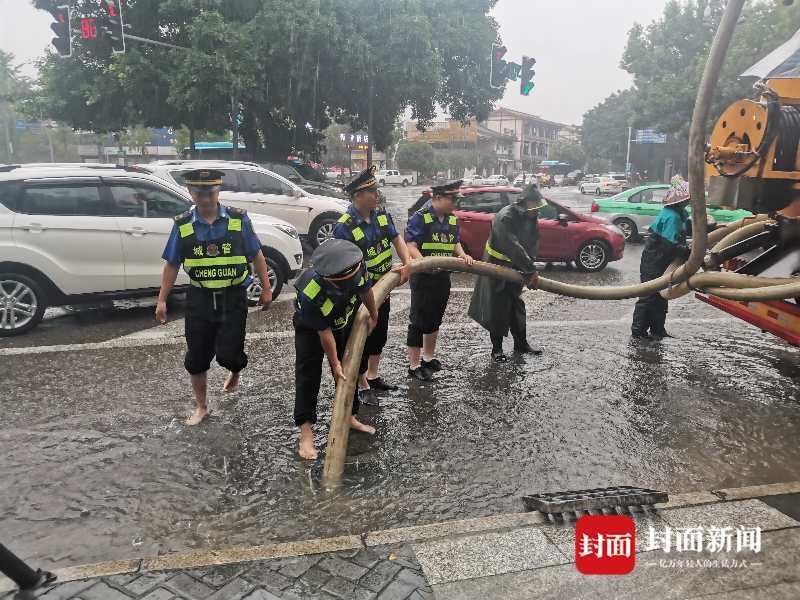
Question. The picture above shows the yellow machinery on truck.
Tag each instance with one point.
(753, 160)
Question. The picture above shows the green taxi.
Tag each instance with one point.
(634, 210)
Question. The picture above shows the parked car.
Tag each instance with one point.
(496, 180)
(622, 178)
(524, 179)
(564, 236)
(308, 185)
(634, 210)
(395, 177)
(72, 234)
(260, 191)
(600, 186)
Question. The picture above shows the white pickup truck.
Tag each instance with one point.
(394, 177)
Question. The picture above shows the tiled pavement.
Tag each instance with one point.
(381, 573)
(503, 556)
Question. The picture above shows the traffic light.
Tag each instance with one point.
(63, 40)
(112, 25)
(526, 76)
(498, 73)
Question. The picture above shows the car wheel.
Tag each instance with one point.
(405, 182)
(275, 280)
(22, 304)
(583, 191)
(382, 182)
(597, 192)
(628, 228)
(323, 230)
(592, 256)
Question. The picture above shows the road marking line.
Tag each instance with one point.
(159, 338)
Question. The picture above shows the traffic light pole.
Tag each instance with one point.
(136, 38)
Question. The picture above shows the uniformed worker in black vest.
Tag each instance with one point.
(328, 296)
(215, 244)
(371, 228)
(513, 242)
(431, 231)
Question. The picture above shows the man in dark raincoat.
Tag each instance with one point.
(513, 242)
(666, 242)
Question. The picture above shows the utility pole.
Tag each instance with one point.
(628, 157)
(235, 120)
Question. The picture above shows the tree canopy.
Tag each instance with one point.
(290, 68)
(666, 59)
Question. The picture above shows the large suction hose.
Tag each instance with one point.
(342, 405)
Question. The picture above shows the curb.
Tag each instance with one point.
(224, 556)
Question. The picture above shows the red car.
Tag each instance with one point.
(564, 236)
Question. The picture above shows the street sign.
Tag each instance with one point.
(650, 136)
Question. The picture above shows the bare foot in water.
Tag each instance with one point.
(307, 449)
(199, 415)
(359, 426)
(231, 383)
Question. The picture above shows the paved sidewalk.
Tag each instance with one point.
(505, 556)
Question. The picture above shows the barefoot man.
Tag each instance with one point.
(328, 296)
(215, 245)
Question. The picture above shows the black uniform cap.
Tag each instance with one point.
(451, 188)
(336, 258)
(362, 181)
(203, 177)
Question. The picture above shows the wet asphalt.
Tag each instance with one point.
(98, 465)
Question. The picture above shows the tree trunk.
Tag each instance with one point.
(370, 95)
(191, 141)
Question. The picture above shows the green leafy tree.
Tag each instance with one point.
(568, 152)
(605, 128)
(415, 156)
(667, 58)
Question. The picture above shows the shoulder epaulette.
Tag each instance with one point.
(238, 212)
(183, 216)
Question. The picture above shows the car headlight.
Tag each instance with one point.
(288, 230)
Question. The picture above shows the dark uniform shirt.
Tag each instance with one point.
(206, 232)
(415, 229)
(372, 231)
(309, 314)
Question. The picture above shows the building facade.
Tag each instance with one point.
(531, 138)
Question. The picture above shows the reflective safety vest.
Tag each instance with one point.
(495, 254)
(214, 264)
(310, 287)
(377, 253)
(438, 243)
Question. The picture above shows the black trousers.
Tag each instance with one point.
(215, 325)
(650, 314)
(430, 293)
(309, 355)
(377, 339)
(516, 319)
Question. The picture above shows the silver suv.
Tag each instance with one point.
(74, 233)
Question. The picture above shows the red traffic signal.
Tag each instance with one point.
(61, 28)
(112, 25)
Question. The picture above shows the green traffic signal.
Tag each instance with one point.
(526, 77)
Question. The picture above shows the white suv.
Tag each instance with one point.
(394, 177)
(70, 234)
(259, 191)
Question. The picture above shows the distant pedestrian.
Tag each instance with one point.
(215, 245)
(665, 243)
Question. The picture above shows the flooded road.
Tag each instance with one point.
(98, 465)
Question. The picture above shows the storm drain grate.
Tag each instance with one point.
(597, 499)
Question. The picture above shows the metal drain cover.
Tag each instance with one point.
(595, 499)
